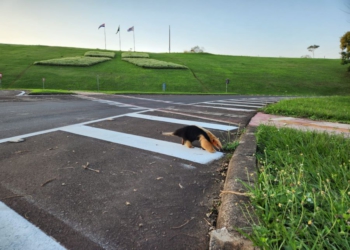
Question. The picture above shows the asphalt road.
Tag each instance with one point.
(94, 171)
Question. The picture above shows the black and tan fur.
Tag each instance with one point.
(191, 133)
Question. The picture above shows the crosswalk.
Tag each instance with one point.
(161, 146)
(246, 104)
(239, 104)
(112, 103)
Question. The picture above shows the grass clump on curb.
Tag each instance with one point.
(230, 146)
(302, 196)
(73, 61)
(153, 63)
(334, 108)
(100, 54)
(134, 55)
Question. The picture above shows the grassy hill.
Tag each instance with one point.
(206, 74)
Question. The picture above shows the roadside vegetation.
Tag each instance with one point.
(207, 73)
(333, 108)
(302, 196)
(302, 193)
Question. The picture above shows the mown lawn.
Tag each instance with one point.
(206, 74)
(334, 108)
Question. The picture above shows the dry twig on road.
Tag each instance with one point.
(86, 167)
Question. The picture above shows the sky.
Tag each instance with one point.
(265, 28)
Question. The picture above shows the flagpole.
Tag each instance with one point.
(120, 46)
(133, 32)
(105, 37)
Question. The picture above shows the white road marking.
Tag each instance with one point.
(138, 108)
(112, 103)
(262, 101)
(234, 104)
(246, 102)
(234, 109)
(152, 100)
(59, 128)
(184, 122)
(18, 233)
(28, 135)
(158, 146)
(22, 93)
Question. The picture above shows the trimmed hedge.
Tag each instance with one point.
(153, 63)
(100, 54)
(83, 61)
(134, 55)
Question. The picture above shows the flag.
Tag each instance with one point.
(131, 29)
(118, 29)
(102, 25)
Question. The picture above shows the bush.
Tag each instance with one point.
(134, 55)
(100, 54)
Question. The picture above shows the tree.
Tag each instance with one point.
(345, 47)
(196, 49)
(312, 49)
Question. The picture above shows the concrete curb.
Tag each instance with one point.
(233, 210)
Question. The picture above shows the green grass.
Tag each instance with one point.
(230, 146)
(82, 61)
(50, 92)
(100, 54)
(334, 108)
(302, 196)
(153, 64)
(135, 55)
(207, 73)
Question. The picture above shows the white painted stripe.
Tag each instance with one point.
(233, 104)
(244, 100)
(253, 101)
(234, 109)
(184, 122)
(147, 99)
(104, 101)
(18, 233)
(28, 135)
(240, 102)
(55, 129)
(148, 144)
(22, 93)
(138, 108)
(126, 106)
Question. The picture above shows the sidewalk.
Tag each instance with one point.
(298, 123)
(242, 167)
